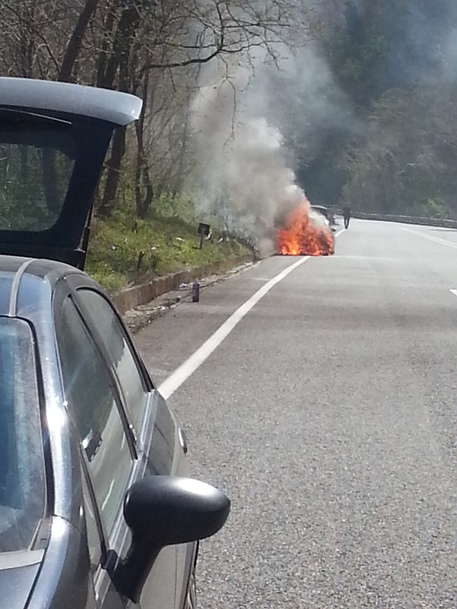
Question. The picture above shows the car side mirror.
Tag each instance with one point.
(163, 511)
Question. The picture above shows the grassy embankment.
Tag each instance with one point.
(124, 250)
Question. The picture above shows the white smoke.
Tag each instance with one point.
(244, 166)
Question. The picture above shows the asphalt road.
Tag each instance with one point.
(329, 416)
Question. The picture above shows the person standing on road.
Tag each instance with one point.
(346, 214)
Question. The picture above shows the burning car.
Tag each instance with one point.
(305, 233)
(320, 209)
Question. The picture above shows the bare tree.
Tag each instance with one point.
(148, 47)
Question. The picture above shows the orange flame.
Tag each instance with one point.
(300, 237)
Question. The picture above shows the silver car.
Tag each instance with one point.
(96, 509)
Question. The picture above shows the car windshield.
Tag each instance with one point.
(320, 210)
(22, 474)
(36, 165)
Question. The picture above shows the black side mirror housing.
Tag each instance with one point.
(163, 511)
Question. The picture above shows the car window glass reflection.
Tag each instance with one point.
(22, 472)
(122, 359)
(94, 408)
(36, 166)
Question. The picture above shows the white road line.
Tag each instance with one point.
(454, 292)
(187, 368)
(181, 374)
(430, 238)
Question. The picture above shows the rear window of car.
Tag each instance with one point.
(36, 165)
(22, 472)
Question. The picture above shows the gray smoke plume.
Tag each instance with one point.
(243, 124)
(258, 126)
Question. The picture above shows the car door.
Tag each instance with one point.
(149, 425)
(108, 453)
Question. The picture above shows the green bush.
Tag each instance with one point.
(434, 208)
(125, 250)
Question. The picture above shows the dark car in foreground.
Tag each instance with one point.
(96, 509)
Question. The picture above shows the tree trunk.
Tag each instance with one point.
(114, 172)
(125, 33)
(178, 179)
(102, 59)
(119, 61)
(144, 192)
(76, 39)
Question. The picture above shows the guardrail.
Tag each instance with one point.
(445, 223)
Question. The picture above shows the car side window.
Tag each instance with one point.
(95, 408)
(119, 351)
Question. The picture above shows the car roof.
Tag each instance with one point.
(25, 282)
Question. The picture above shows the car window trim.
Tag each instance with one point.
(105, 353)
(102, 532)
(112, 379)
(43, 529)
(144, 375)
(132, 434)
(78, 281)
(95, 337)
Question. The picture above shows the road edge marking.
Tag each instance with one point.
(429, 237)
(190, 365)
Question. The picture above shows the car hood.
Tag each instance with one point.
(53, 141)
(16, 580)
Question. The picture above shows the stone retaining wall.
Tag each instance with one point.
(131, 298)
